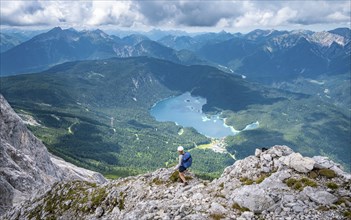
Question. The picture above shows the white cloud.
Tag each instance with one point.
(175, 13)
(110, 12)
(284, 16)
(75, 13)
(22, 13)
(337, 16)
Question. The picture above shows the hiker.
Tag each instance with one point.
(185, 162)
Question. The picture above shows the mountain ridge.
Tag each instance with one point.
(275, 183)
(63, 45)
(8, 41)
(271, 50)
(284, 56)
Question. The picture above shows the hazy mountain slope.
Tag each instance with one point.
(345, 32)
(23, 34)
(25, 163)
(88, 80)
(149, 48)
(341, 62)
(178, 42)
(332, 89)
(54, 47)
(273, 56)
(7, 42)
(134, 39)
(228, 51)
(59, 46)
(215, 37)
(284, 64)
(277, 183)
(195, 42)
(263, 35)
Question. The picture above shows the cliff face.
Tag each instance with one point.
(275, 184)
(25, 163)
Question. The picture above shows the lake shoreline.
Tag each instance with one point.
(186, 110)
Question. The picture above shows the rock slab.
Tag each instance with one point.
(299, 163)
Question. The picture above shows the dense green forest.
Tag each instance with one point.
(95, 114)
(307, 125)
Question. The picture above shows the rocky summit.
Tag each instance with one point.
(26, 167)
(275, 184)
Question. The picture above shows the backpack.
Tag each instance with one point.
(187, 160)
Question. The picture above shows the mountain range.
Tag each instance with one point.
(59, 46)
(10, 38)
(268, 56)
(262, 55)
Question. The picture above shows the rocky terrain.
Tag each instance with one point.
(25, 164)
(274, 184)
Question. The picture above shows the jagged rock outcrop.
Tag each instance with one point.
(298, 162)
(258, 187)
(25, 164)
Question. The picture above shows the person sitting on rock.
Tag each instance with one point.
(185, 162)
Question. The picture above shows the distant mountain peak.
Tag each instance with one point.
(262, 31)
(60, 45)
(301, 31)
(59, 30)
(344, 32)
(56, 29)
(134, 39)
(259, 33)
(56, 33)
(96, 34)
(223, 32)
(326, 38)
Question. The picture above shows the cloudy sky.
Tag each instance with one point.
(187, 15)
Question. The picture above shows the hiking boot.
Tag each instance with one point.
(186, 183)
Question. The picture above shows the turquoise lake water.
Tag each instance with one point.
(186, 110)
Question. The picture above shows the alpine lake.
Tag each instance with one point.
(186, 110)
